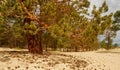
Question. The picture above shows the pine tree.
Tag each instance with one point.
(63, 24)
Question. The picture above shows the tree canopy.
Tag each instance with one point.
(53, 24)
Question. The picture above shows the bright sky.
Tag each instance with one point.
(113, 5)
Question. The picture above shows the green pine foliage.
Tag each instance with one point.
(67, 24)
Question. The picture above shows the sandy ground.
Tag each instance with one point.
(15, 59)
(101, 59)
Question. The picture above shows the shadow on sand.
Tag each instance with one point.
(16, 52)
(112, 52)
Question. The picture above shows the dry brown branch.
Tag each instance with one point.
(31, 16)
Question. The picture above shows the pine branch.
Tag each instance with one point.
(31, 16)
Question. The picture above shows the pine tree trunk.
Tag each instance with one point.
(34, 41)
(76, 49)
(40, 43)
(34, 44)
(108, 44)
(46, 47)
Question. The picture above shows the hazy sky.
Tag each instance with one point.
(113, 5)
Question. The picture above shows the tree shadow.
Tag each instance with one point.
(112, 52)
(14, 52)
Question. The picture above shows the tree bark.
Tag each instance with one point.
(40, 43)
(34, 44)
(34, 41)
(108, 44)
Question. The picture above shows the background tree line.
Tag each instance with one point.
(55, 25)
